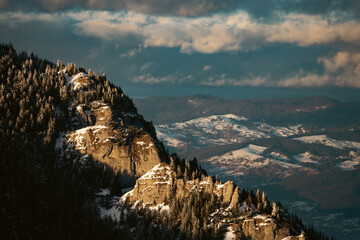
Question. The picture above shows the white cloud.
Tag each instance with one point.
(146, 66)
(235, 31)
(344, 68)
(176, 78)
(214, 80)
(222, 32)
(132, 52)
(341, 70)
(14, 18)
(206, 68)
(306, 30)
(341, 59)
(223, 80)
(305, 80)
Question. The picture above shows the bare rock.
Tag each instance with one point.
(235, 199)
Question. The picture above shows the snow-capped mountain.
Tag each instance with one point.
(200, 134)
(220, 130)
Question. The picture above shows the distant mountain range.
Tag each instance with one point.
(321, 111)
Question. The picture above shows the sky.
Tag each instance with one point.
(227, 48)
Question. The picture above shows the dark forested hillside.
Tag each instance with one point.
(67, 134)
(39, 199)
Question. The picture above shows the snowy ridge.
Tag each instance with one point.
(219, 130)
(250, 158)
(325, 140)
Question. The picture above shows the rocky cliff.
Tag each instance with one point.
(122, 140)
(160, 185)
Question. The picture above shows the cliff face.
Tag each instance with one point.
(123, 141)
(161, 183)
(157, 185)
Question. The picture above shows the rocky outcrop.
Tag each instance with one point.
(123, 141)
(153, 187)
(161, 184)
(156, 186)
(261, 227)
(234, 204)
(105, 144)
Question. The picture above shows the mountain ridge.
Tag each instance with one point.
(66, 134)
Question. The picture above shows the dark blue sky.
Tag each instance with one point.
(262, 47)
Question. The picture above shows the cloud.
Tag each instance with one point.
(231, 32)
(146, 66)
(341, 70)
(259, 8)
(306, 30)
(215, 80)
(270, 8)
(305, 80)
(223, 80)
(158, 7)
(14, 18)
(237, 33)
(132, 52)
(344, 68)
(340, 60)
(206, 68)
(175, 78)
(221, 32)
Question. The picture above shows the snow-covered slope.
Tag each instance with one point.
(252, 160)
(220, 130)
(325, 140)
(305, 158)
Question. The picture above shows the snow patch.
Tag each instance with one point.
(103, 192)
(160, 208)
(305, 158)
(351, 164)
(77, 137)
(114, 212)
(79, 81)
(230, 235)
(325, 140)
(157, 173)
(250, 152)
